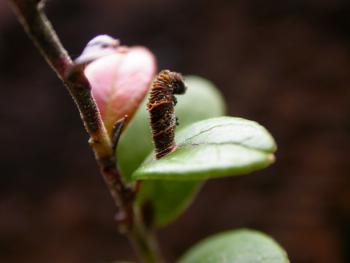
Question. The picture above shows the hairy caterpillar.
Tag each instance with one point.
(161, 110)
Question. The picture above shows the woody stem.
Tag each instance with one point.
(38, 27)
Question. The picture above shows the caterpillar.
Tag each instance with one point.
(160, 106)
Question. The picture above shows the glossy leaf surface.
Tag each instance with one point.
(212, 148)
(238, 246)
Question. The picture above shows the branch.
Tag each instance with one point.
(40, 31)
(31, 16)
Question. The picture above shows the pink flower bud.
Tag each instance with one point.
(120, 81)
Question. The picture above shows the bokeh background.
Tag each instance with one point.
(285, 64)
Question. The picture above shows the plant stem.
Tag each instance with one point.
(38, 27)
(144, 240)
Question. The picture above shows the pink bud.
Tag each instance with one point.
(120, 82)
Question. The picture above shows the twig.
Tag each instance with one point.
(30, 14)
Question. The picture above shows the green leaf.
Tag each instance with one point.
(136, 142)
(238, 246)
(167, 200)
(212, 148)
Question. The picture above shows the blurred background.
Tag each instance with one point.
(285, 64)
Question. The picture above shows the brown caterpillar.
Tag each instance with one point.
(161, 110)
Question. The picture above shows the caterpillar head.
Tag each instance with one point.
(178, 84)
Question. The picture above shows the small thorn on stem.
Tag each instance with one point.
(117, 131)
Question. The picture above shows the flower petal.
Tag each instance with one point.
(120, 82)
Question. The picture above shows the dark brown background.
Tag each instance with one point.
(285, 64)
